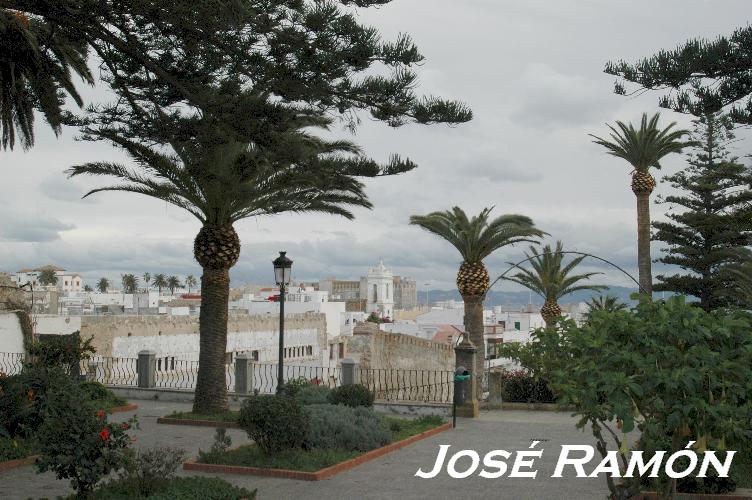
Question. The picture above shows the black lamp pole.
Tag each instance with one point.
(282, 269)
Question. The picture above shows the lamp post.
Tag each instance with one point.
(282, 271)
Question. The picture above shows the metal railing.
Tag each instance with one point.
(435, 386)
(110, 371)
(11, 362)
(430, 386)
(265, 376)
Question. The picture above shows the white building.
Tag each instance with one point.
(66, 281)
(377, 289)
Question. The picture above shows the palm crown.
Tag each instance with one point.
(549, 277)
(643, 148)
(476, 238)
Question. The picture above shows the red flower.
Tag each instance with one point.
(104, 434)
(101, 414)
(125, 426)
(30, 395)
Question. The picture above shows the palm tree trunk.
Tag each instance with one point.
(643, 243)
(474, 327)
(211, 393)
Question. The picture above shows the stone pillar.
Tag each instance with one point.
(350, 371)
(244, 368)
(465, 357)
(147, 368)
(495, 386)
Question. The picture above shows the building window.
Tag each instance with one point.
(516, 325)
(309, 350)
(255, 355)
(387, 291)
(375, 294)
(341, 350)
(228, 358)
(331, 351)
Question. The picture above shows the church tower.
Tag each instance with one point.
(378, 290)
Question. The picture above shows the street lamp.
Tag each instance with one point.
(282, 271)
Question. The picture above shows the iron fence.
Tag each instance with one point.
(11, 362)
(429, 386)
(265, 376)
(110, 371)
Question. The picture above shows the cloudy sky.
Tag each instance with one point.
(532, 72)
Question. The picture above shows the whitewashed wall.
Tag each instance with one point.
(11, 336)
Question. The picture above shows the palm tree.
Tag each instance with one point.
(147, 280)
(130, 283)
(222, 175)
(103, 284)
(644, 149)
(35, 70)
(551, 279)
(608, 303)
(173, 282)
(190, 282)
(476, 238)
(160, 281)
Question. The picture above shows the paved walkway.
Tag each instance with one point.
(389, 477)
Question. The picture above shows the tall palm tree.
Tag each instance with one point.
(552, 279)
(221, 175)
(190, 282)
(48, 276)
(603, 303)
(476, 238)
(644, 148)
(37, 61)
(173, 282)
(130, 283)
(160, 281)
(147, 280)
(103, 284)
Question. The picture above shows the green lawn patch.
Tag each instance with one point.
(228, 416)
(403, 428)
(186, 488)
(298, 459)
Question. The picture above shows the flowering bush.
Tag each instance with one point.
(75, 439)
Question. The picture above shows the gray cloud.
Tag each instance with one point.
(31, 228)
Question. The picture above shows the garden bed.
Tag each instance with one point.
(302, 459)
(123, 408)
(18, 462)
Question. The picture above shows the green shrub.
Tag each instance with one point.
(313, 395)
(21, 397)
(292, 387)
(63, 351)
(75, 439)
(184, 488)
(101, 394)
(274, 423)
(14, 448)
(345, 428)
(146, 471)
(352, 395)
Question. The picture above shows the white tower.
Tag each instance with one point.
(378, 290)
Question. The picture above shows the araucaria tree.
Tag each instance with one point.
(704, 76)
(552, 279)
(713, 228)
(643, 149)
(238, 139)
(476, 238)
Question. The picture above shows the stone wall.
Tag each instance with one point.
(373, 348)
(125, 336)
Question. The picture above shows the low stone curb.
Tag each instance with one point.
(123, 409)
(197, 423)
(321, 473)
(741, 494)
(19, 462)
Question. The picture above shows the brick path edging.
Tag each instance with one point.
(124, 408)
(19, 462)
(652, 495)
(197, 423)
(321, 473)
